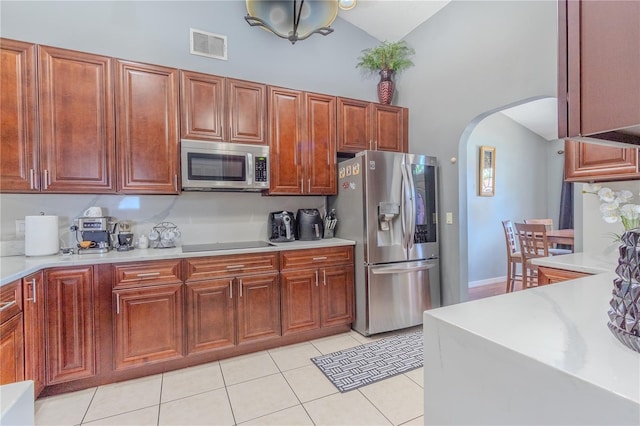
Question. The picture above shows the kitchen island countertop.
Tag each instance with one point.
(541, 356)
(16, 267)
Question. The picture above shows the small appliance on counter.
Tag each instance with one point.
(281, 226)
(310, 226)
(95, 234)
(124, 237)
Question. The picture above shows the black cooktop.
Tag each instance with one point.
(191, 248)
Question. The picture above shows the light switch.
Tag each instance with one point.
(449, 218)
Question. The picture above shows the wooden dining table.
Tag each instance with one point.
(561, 236)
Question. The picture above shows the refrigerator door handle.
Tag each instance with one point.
(401, 269)
(404, 205)
(412, 208)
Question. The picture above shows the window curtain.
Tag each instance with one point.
(566, 208)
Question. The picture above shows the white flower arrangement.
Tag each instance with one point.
(616, 206)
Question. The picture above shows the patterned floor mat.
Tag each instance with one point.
(351, 368)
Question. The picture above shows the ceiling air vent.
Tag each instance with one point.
(208, 44)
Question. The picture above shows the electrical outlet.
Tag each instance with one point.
(19, 227)
(449, 218)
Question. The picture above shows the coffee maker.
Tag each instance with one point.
(95, 233)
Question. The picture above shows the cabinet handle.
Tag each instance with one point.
(7, 305)
(31, 179)
(175, 182)
(308, 185)
(231, 289)
(320, 258)
(148, 274)
(235, 266)
(46, 179)
(240, 286)
(301, 185)
(33, 286)
(375, 145)
(117, 303)
(316, 278)
(324, 277)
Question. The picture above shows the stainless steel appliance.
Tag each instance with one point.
(222, 166)
(95, 234)
(388, 204)
(281, 226)
(310, 224)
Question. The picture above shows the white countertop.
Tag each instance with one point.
(15, 267)
(543, 356)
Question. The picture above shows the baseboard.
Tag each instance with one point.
(488, 281)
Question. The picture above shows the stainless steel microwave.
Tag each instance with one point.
(223, 166)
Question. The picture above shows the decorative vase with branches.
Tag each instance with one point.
(386, 59)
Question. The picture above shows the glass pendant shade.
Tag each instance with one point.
(293, 20)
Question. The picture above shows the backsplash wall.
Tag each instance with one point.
(202, 217)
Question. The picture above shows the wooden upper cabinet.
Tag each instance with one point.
(590, 162)
(202, 104)
(599, 67)
(18, 125)
(365, 125)
(319, 144)
(77, 130)
(354, 125)
(247, 112)
(147, 128)
(389, 128)
(286, 128)
(303, 142)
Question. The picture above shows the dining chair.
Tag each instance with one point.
(548, 223)
(533, 244)
(514, 257)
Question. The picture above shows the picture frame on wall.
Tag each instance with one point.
(487, 172)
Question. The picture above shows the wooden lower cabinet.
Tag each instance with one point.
(315, 295)
(231, 300)
(70, 339)
(34, 326)
(148, 325)
(11, 333)
(552, 275)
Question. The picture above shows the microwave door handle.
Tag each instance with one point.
(250, 170)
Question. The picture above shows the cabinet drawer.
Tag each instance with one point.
(10, 300)
(294, 259)
(223, 266)
(147, 273)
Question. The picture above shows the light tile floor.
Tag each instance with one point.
(275, 387)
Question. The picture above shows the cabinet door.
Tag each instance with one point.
(300, 300)
(337, 295)
(320, 142)
(34, 330)
(19, 159)
(70, 337)
(210, 315)
(11, 350)
(354, 125)
(258, 307)
(77, 127)
(202, 106)
(147, 128)
(552, 275)
(389, 128)
(148, 325)
(599, 66)
(247, 112)
(592, 162)
(285, 117)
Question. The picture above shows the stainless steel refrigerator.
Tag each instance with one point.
(387, 202)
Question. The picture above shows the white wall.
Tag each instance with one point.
(472, 57)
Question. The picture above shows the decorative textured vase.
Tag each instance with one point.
(385, 87)
(624, 312)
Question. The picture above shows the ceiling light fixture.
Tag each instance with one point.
(292, 19)
(347, 4)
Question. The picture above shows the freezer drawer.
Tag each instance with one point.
(399, 293)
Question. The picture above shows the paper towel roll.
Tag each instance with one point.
(41, 235)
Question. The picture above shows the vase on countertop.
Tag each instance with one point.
(385, 86)
(624, 311)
